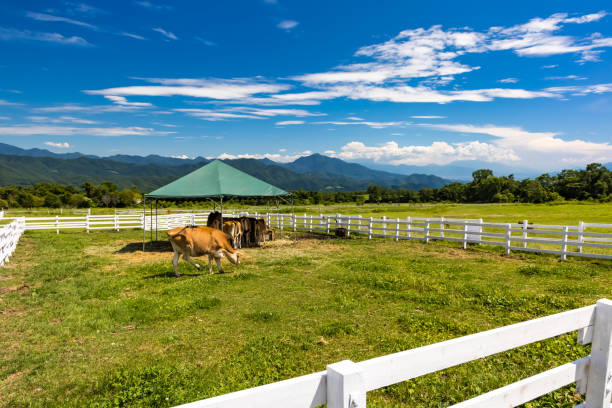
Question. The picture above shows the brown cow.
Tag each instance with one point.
(198, 241)
(233, 229)
(214, 220)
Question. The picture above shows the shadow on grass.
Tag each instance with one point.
(154, 246)
(171, 274)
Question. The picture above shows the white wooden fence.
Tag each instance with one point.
(591, 240)
(9, 236)
(345, 384)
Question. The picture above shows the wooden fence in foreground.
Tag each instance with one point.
(590, 240)
(9, 236)
(345, 384)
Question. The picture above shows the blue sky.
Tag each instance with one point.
(526, 84)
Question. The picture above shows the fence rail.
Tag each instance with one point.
(345, 384)
(9, 236)
(592, 240)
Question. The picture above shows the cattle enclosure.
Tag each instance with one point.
(92, 318)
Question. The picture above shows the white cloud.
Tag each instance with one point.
(243, 112)
(49, 17)
(62, 119)
(60, 145)
(549, 66)
(155, 7)
(428, 117)
(438, 152)
(354, 118)
(7, 103)
(433, 54)
(167, 34)
(277, 157)
(221, 89)
(121, 100)
(205, 41)
(9, 34)
(287, 25)
(575, 77)
(181, 156)
(508, 80)
(28, 130)
(130, 35)
(526, 142)
(374, 125)
(5, 118)
(90, 109)
(582, 89)
(290, 122)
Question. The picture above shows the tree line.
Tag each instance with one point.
(592, 183)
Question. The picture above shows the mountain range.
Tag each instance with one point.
(315, 172)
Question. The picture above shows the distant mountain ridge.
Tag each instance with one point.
(315, 172)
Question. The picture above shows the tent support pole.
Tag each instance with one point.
(294, 227)
(221, 205)
(144, 221)
(151, 214)
(155, 219)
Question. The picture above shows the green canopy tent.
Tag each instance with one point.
(214, 181)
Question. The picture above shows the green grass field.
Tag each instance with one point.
(90, 320)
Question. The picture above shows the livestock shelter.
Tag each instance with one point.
(215, 181)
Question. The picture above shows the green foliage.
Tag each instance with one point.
(53, 195)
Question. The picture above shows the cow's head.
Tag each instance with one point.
(234, 258)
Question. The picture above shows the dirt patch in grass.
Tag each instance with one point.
(19, 288)
(12, 312)
(12, 379)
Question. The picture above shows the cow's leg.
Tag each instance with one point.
(191, 261)
(175, 259)
(210, 264)
(219, 264)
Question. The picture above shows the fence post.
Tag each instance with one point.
(370, 229)
(279, 219)
(442, 227)
(310, 227)
(564, 243)
(599, 385)
(327, 222)
(293, 219)
(116, 221)
(397, 230)
(508, 235)
(338, 221)
(409, 219)
(426, 231)
(87, 223)
(345, 386)
(465, 231)
(580, 235)
(57, 224)
(193, 220)
(525, 233)
(384, 225)
(268, 215)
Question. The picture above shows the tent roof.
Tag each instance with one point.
(216, 179)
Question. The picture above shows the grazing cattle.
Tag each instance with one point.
(341, 232)
(233, 229)
(260, 231)
(214, 220)
(246, 231)
(199, 241)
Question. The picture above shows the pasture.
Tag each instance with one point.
(89, 320)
